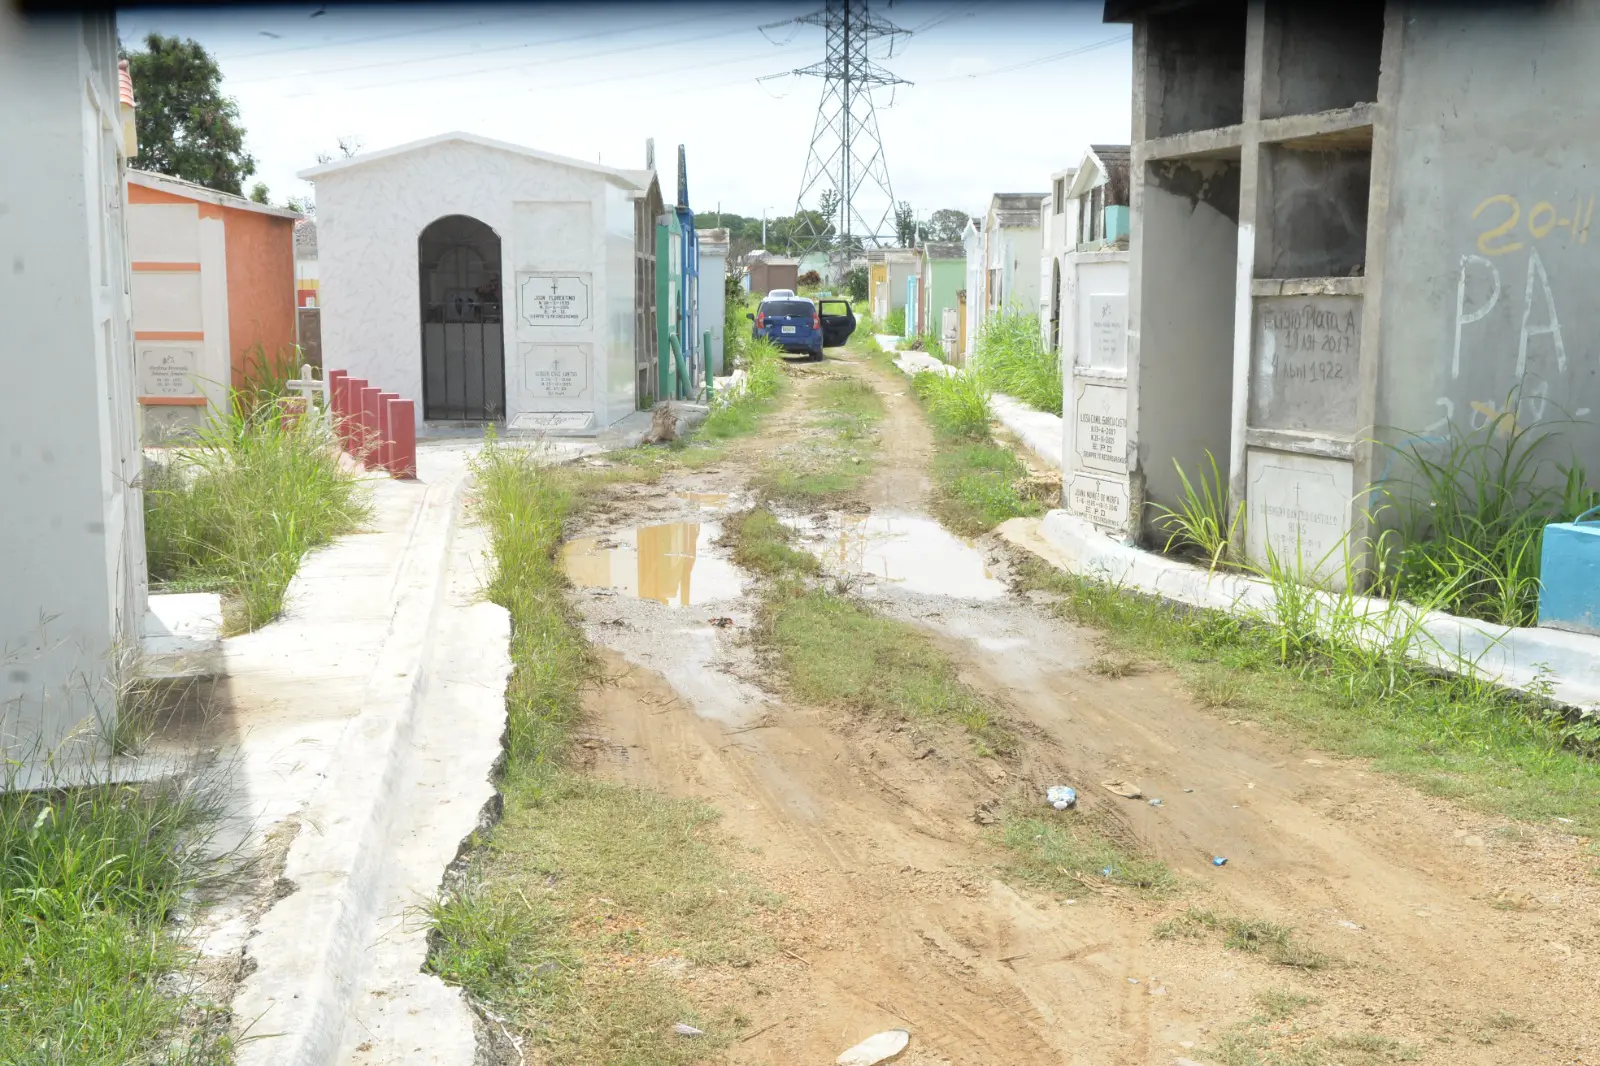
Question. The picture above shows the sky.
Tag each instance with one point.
(1001, 95)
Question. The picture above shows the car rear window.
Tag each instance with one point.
(788, 308)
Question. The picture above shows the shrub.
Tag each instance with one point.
(895, 324)
(1201, 522)
(811, 278)
(855, 282)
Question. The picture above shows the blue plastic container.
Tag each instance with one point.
(1569, 575)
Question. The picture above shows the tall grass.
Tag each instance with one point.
(237, 508)
(1011, 358)
(736, 411)
(89, 877)
(1201, 521)
(1467, 515)
(524, 504)
(957, 404)
(895, 323)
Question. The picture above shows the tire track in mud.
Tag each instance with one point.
(899, 919)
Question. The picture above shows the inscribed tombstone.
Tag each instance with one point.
(1103, 501)
(555, 371)
(1299, 505)
(551, 299)
(165, 371)
(1101, 417)
(1305, 353)
(1108, 329)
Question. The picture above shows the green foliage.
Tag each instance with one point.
(946, 225)
(524, 503)
(978, 487)
(237, 508)
(834, 460)
(260, 194)
(957, 404)
(186, 127)
(1011, 358)
(1301, 667)
(1201, 521)
(834, 649)
(905, 225)
(1073, 850)
(895, 323)
(763, 544)
(1469, 518)
(583, 877)
(855, 281)
(89, 877)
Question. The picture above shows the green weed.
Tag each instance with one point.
(1450, 735)
(1011, 357)
(761, 544)
(1072, 851)
(1466, 516)
(957, 404)
(89, 877)
(1202, 521)
(236, 508)
(895, 324)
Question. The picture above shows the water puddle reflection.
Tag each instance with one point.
(669, 563)
(910, 552)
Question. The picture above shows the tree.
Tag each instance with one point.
(856, 281)
(258, 193)
(303, 204)
(905, 225)
(947, 224)
(186, 127)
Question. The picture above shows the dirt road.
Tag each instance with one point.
(1442, 936)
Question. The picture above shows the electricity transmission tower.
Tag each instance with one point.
(846, 170)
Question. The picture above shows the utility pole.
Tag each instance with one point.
(846, 155)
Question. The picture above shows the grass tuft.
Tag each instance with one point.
(1449, 735)
(589, 902)
(957, 404)
(1011, 357)
(761, 544)
(236, 509)
(1073, 851)
(89, 878)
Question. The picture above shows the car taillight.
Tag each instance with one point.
(816, 320)
(761, 319)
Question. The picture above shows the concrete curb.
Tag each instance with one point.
(309, 948)
(1517, 658)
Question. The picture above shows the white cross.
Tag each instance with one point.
(307, 385)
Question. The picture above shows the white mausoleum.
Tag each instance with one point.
(488, 281)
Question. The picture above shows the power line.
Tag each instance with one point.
(565, 59)
(846, 167)
(473, 52)
(1035, 62)
(368, 39)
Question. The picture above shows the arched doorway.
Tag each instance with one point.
(1055, 304)
(463, 338)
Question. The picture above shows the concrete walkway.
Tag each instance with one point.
(359, 732)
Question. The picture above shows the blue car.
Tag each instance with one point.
(796, 324)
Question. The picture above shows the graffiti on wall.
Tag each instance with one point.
(1506, 314)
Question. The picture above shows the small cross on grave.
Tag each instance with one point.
(308, 386)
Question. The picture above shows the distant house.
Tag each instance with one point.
(1100, 188)
(213, 297)
(1007, 261)
(768, 272)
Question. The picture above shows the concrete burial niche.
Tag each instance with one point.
(492, 282)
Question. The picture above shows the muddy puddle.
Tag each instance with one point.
(669, 563)
(895, 550)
